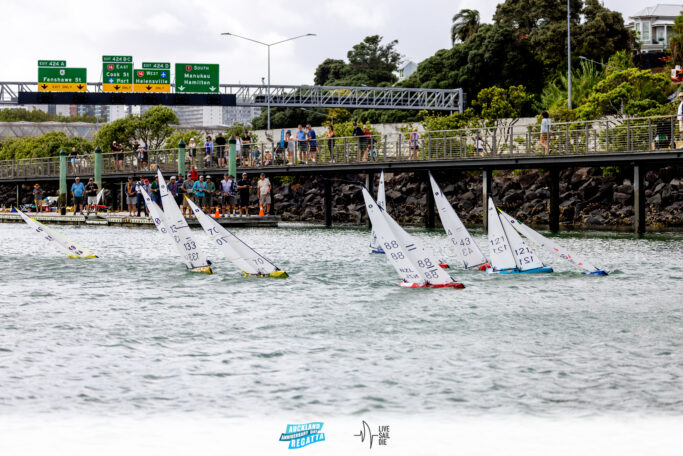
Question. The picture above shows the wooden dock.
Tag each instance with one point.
(114, 219)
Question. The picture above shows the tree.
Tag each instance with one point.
(584, 80)
(465, 24)
(184, 135)
(492, 56)
(632, 92)
(288, 118)
(36, 115)
(120, 130)
(47, 145)
(154, 126)
(330, 69)
(676, 42)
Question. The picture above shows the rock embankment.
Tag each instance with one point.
(587, 197)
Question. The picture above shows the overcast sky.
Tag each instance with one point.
(188, 31)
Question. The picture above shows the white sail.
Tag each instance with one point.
(466, 248)
(57, 239)
(99, 197)
(501, 253)
(525, 257)
(188, 248)
(393, 247)
(244, 257)
(158, 216)
(382, 203)
(548, 244)
(422, 258)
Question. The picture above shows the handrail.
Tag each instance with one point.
(627, 135)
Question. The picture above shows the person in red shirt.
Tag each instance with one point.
(194, 174)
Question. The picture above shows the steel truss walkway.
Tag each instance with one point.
(305, 96)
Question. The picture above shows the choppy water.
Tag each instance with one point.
(133, 332)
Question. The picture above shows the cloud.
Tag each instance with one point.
(165, 23)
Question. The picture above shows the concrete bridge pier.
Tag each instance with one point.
(554, 210)
(429, 216)
(639, 199)
(487, 180)
(328, 202)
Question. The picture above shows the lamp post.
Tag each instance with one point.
(268, 45)
(569, 56)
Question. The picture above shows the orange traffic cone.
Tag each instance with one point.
(217, 214)
(260, 212)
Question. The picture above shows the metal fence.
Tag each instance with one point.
(502, 141)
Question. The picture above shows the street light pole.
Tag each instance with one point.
(569, 56)
(268, 45)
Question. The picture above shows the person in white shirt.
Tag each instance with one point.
(545, 132)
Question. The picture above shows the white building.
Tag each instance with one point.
(117, 112)
(406, 69)
(653, 26)
(209, 116)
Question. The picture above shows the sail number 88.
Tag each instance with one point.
(390, 245)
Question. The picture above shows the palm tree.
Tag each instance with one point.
(465, 24)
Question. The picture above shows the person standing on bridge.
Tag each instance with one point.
(358, 132)
(74, 160)
(414, 144)
(246, 148)
(330, 141)
(77, 191)
(208, 152)
(301, 143)
(545, 132)
(220, 150)
(290, 145)
(312, 142)
(118, 156)
(192, 148)
(680, 113)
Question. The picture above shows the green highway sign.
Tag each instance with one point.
(57, 79)
(152, 81)
(155, 66)
(196, 77)
(118, 58)
(117, 77)
(52, 63)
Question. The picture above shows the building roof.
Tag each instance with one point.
(661, 10)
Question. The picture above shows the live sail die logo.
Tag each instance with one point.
(380, 437)
(301, 435)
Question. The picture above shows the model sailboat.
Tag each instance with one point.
(177, 226)
(252, 263)
(466, 249)
(57, 239)
(551, 246)
(509, 253)
(415, 264)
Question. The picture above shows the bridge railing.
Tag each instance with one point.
(503, 141)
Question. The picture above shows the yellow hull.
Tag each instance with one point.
(205, 270)
(275, 275)
(82, 257)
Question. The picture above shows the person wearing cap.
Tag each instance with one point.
(77, 191)
(243, 187)
(118, 156)
(131, 194)
(199, 189)
(210, 191)
(290, 145)
(91, 192)
(173, 188)
(228, 190)
(208, 151)
(192, 149)
(187, 190)
(263, 192)
(38, 197)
